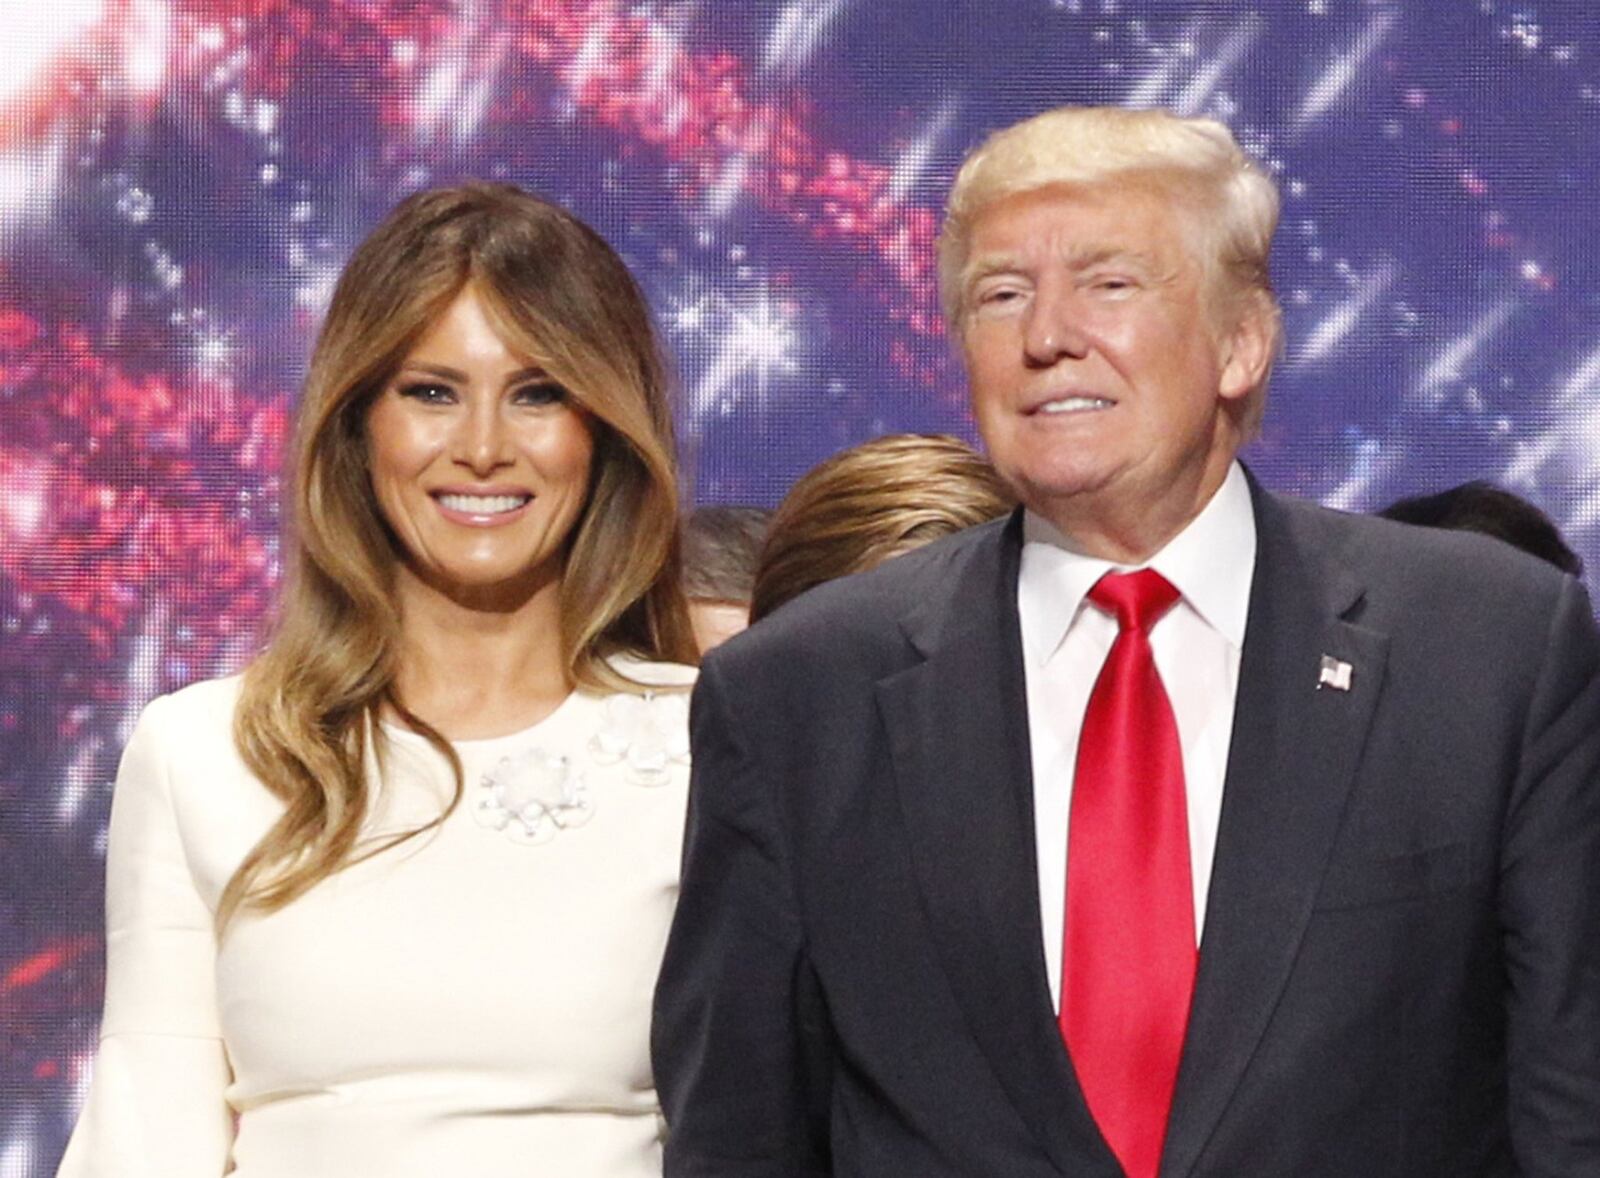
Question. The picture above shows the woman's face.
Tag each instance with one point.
(479, 461)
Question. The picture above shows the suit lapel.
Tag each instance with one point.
(957, 727)
(1291, 764)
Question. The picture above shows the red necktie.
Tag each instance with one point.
(1128, 957)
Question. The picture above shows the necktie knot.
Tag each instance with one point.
(1138, 599)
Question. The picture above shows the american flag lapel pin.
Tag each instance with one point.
(1334, 674)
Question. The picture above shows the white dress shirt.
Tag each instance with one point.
(1196, 645)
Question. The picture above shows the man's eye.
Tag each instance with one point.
(428, 392)
(1113, 285)
(544, 392)
(998, 296)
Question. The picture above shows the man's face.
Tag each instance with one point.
(1098, 376)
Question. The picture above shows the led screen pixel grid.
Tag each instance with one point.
(181, 179)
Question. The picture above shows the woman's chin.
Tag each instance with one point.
(490, 586)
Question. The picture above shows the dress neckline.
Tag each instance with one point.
(481, 744)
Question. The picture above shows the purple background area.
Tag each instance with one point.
(180, 181)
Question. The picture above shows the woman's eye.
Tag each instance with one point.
(544, 392)
(428, 392)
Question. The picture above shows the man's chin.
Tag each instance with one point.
(1046, 492)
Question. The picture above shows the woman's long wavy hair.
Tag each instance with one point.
(306, 722)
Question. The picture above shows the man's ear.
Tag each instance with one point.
(1247, 349)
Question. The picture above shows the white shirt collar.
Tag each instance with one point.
(1211, 562)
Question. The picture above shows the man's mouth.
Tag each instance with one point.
(482, 504)
(1075, 405)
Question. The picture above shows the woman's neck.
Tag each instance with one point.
(476, 667)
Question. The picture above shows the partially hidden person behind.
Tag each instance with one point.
(721, 545)
(1169, 826)
(1480, 506)
(392, 901)
(869, 503)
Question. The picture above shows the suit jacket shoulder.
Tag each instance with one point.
(1438, 559)
(1461, 591)
(871, 622)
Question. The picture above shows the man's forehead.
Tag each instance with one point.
(1078, 255)
(1084, 226)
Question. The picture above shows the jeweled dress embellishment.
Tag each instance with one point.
(531, 795)
(649, 732)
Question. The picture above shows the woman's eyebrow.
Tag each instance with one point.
(440, 370)
(445, 372)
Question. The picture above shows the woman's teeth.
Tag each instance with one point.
(483, 504)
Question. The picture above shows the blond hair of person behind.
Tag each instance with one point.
(869, 503)
(308, 712)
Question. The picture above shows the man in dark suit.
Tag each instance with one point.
(1169, 827)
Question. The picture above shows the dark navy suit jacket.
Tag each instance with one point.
(1400, 972)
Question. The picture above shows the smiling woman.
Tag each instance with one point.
(483, 597)
(480, 462)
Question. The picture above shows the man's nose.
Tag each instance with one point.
(1053, 330)
(482, 442)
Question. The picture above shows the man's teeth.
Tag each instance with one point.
(483, 504)
(1075, 405)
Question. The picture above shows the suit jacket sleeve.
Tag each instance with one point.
(155, 1106)
(1550, 908)
(739, 1040)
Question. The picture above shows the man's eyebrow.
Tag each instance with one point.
(1084, 258)
(1092, 256)
(987, 264)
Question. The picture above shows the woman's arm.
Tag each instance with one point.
(155, 1106)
